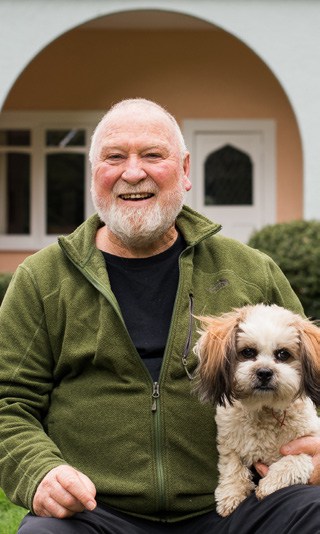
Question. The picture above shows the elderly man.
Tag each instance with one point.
(99, 429)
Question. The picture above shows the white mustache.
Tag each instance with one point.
(144, 187)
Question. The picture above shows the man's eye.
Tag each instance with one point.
(153, 155)
(114, 157)
(248, 353)
(282, 355)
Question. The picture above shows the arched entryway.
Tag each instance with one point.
(195, 69)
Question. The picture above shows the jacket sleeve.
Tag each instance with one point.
(278, 288)
(26, 452)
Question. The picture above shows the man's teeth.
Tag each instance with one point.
(136, 196)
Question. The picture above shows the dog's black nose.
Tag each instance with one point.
(264, 374)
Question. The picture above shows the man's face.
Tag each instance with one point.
(140, 177)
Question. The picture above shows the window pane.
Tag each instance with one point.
(65, 192)
(228, 178)
(63, 138)
(15, 193)
(15, 137)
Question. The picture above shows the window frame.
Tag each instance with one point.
(38, 123)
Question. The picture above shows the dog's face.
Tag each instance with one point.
(268, 368)
(261, 355)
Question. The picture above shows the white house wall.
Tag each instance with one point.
(284, 33)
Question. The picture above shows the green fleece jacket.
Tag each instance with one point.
(73, 388)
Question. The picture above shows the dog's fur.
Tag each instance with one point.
(261, 365)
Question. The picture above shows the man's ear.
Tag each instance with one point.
(186, 170)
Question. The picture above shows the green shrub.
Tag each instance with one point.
(10, 515)
(295, 247)
(4, 282)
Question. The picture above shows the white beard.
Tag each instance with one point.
(141, 226)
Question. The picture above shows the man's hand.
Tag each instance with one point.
(308, 445)
(63, 492)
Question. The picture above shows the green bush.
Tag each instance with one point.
(10, 515)
(4, 282)
(295, 247)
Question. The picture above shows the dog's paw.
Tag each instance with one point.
(226, 506)
(286, 472)
(268, 486)
(229, 497)
(265, 488)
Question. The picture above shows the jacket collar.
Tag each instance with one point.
(194, 226)
(80, 245)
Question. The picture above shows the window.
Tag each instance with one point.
(65, 172)
(44, 176)
(228, 178)
(15, 181)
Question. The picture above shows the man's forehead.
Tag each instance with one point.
(138, 111)
(138, 144)
(142, 120)
(137, 130)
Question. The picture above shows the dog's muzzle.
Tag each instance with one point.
(264, 377)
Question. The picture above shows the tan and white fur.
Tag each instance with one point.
(261, 365)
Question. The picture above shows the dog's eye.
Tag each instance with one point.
(282, 355)
(248, 353)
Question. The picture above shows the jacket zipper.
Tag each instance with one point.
(189, 338)
(156, 413)
(155, 395)
(158, 448)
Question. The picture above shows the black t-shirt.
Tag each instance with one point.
(145, 289)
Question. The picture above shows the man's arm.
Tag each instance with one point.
(27, 453)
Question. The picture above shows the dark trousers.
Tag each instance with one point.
(290, 510)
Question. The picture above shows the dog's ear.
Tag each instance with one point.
(310, 359)
(216, 350)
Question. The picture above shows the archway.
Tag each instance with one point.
(195, 69)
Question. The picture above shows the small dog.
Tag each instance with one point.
(261, 365)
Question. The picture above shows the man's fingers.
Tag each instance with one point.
(61, 496)
(261, 469)
(63, 492)
(79, 487)
(52, 508)
(307, 444)
(89, 485)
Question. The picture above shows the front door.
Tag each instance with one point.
(233, 173)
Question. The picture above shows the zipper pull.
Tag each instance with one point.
(155, 395)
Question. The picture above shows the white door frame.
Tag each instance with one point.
(267, 132)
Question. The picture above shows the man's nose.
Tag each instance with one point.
(133, 171)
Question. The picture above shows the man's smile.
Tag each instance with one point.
(136, 196)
